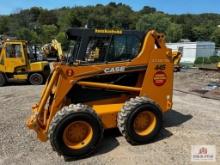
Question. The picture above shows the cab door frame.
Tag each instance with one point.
(11, 63)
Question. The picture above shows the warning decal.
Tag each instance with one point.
(160, 78)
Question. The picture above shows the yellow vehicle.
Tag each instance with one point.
(16, 63)
(177, 55)
(128, 84)
(53, 51)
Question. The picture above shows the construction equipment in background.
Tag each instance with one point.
(53, 51)
(17, 62)
(218, 65)
(111, 78)
(177, 55)
(210, 67)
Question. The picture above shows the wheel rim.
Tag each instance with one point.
(77, 134)
(36, 79)
(144, 123)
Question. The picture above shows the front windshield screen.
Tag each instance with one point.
(99, 49)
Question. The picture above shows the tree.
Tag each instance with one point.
(61, 37)
(4, 25)
(113, 15)
(123, 17)
(157, 21)
(73, 21)
(28, 35)
(48, 32)
(112, 4)
(174, 32)
(216, 36)
(47, 18)
(147, 10)
(202, 32)
(187, 22)
(63, 19)
(35, 13)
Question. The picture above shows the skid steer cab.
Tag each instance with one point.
(110, 79)
(17, 63)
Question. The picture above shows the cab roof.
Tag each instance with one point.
(74, 33)
(15, 40)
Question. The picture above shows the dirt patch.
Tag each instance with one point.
(193, 121)
(203, 83)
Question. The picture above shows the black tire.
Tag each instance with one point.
(127, 115)
(36, 79)
(65, 117)
(2, 80)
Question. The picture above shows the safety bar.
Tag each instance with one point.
(109, 86)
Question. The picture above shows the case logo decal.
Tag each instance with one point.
(115, 69)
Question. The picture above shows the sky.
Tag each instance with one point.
(167, 6)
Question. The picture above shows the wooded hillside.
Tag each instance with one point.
(39, 25)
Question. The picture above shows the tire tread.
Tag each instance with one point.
(126, 110)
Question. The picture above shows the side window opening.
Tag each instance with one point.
(111, 48)
(97, 49)
(123, 47)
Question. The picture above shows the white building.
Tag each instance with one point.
(218, 52)
(192, 50)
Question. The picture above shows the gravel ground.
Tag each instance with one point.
(193, 121)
